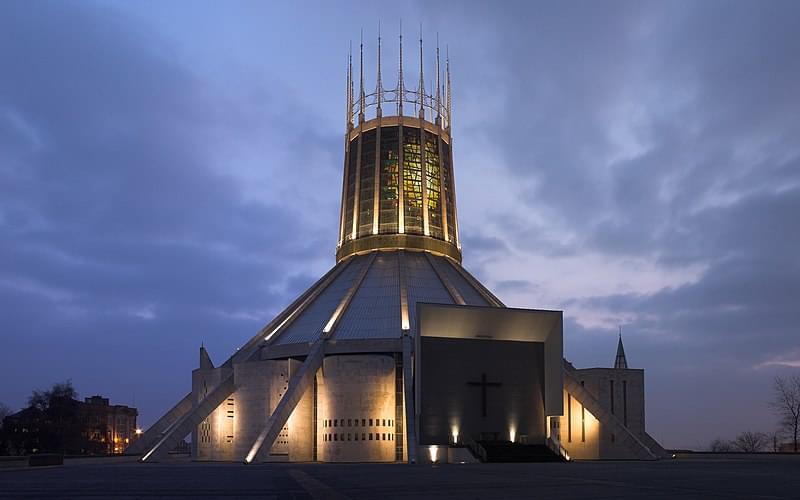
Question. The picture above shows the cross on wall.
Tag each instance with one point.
(484, 385)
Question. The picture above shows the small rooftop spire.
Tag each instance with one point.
(449, 89)
(421, 94)
(362, 102)
(350, 87)
(400, 91)
(438, 86)
(379, 86)
(205, 359)
(620, 362)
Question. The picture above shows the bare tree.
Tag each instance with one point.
(720, 446)
(786, 405)
(750, 442)
(4, 412)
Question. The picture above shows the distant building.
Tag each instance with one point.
(114, 425)
(93, 426)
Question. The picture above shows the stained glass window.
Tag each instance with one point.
(433, 185)
(412, 180)
(389, 182)
(448, 192)
(351, 190)
(367, 183)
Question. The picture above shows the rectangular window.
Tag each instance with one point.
(625, 402)
(370, 436)
(350, 195)
(433, 185)
(370, 422)
(449, 198)
(363, 436)
(349, 422)
(412, 180)
(363, 422)
(367, 183)
(335, 423)
(390, 179)
(611, 390)
(583, 424)
(335, 437)
(569, 418)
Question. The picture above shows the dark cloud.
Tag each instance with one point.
(668, 133)
(124, 245)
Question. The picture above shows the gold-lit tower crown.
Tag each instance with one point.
(398, 189)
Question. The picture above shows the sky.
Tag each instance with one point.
(170, 175)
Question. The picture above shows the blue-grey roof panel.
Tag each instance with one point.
(374, 311)
(308, 326)
(423, 285)
(471, 296)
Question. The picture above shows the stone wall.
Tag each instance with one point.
(356, 409)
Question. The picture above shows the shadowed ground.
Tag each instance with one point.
(751, 477)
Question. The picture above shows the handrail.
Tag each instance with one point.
(477, 450)
(556, 448)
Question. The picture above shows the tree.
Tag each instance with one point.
(58, 422)
(750, 442)
(786, 404)
(720, 446)
(4, 412)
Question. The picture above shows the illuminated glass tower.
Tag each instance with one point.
(398, 189)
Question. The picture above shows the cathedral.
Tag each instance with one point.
(398, 353)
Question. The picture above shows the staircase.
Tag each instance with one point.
(506, 451)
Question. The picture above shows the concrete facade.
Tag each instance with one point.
(356, 409)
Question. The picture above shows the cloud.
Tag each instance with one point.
(656, 172)
(125, 235)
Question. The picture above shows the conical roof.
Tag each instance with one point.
(374, 296)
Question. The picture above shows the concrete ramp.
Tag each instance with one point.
(190, 420)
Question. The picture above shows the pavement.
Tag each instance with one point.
(696, 478)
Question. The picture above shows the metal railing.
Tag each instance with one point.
(477, 450)
(556, 448)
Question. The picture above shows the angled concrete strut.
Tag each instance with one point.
(191, 419)
(304, 378)
(162, 426)
(298, 385)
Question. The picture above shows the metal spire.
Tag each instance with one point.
(620, 362)
(400, 90)
(449, 89)
(438, 86)
(361, 98)
(421, 94)
(379, 87)
(350, 86)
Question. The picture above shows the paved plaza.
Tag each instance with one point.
(746, 478)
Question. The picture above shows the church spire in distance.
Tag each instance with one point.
(620, 362)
